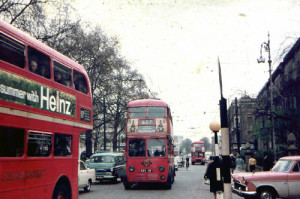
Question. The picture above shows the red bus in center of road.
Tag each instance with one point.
(198, 152)
(149, 147)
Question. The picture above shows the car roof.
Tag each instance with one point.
(108, 154)
(290, 158)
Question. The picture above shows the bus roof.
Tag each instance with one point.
(197, 142)
(26, 38)
(147, 102)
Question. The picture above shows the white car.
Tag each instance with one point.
(86, 176)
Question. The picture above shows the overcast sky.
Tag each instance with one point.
(175, 45)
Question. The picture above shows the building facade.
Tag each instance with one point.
(254, 115)
(241, 120)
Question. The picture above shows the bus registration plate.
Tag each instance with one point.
(146, 170)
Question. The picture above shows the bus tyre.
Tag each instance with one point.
(88, 187)
(61, 192)
(173, 176)
(169, 181)
(127, 185)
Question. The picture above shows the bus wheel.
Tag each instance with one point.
(173, 176)
(169, 181)
(61, 192)
(127, 185)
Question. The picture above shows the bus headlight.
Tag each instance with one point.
(162, 177)
(161, 168)
(112, 169)
(131, 168)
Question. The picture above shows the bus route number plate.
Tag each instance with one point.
(146, 170)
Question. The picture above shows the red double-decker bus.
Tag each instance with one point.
(149, 146)
(198, 152)
(45, 103)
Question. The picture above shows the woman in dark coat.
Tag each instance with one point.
(212, 176)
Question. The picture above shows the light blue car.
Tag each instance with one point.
(108, 165)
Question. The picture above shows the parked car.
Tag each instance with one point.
(179, 161)
(175, 166)
(109, 165)
(283, 181)
(86, 176)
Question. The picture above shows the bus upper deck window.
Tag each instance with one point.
(139, 112)
(156, 112)
(80, 82)
(12, 51)
(11, 142)
(38, 63)
(62, 74)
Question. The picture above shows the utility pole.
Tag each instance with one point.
(104, 124)
(225, 141)
(237, 126)
(266, 45)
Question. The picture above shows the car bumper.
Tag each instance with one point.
(244, 193)
(101, 177)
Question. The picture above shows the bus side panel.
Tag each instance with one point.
(12, 173)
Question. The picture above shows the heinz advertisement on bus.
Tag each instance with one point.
(26, 92)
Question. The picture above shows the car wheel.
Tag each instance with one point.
(115, 180)
(88, 187)
(266, 194)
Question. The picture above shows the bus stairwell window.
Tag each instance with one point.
(11, 142)
(62, 145)
(12, 51)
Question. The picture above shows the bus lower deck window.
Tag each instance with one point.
(39, 144)
(11, 142)
(62, 145)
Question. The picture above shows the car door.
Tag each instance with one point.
(294, 181)
(82, 175)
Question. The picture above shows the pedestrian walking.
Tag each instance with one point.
(239, 164)
(267, 162)
(252, 163)
(211, 174)
(232, 163)
(187, 163)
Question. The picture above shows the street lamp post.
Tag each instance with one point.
(215, 127)
(266, 46)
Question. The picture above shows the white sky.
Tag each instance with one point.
(175, 45)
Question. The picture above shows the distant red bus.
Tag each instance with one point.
(45, 103)
(149, 147)
(198, 152)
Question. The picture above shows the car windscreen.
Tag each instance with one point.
(103, 159)
(282, 165)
